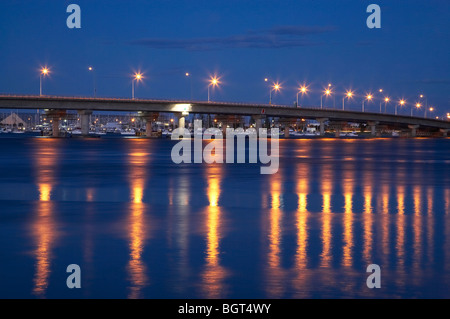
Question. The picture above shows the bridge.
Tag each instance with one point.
(56, 106)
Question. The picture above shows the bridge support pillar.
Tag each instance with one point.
(55, 117)
(322, 125)
(373, 128)
(224, 129)
(84, 121)
(148, 126)
(444, 132)
(181, 122)
(149, 118)
(413, 130)
(55, 127)
(258, 122)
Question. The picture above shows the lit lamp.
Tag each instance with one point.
(348, 95)
(381, 92)
(369, 97)
(189, 76)
(421, 96)
(214, 81)
(327, 93)
(303, 89)
(275, 87)
(402, 103)
(91, 69)
(137, 77)
(418, 105)
(44, 72)
(386, 101)
(431, 109)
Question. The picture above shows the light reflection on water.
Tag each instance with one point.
(214, 273)
(137, 224)
(224, 231)
(44, 228)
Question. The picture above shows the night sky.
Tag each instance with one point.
(313, 41)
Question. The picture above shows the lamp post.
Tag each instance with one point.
(189, 76)
(137, 77)
(91, 69)
(418, 105)
(214, 81)
(421, 96)
(275, 87)
(431, 109)
(369, 97)
(386, 101)
(44, 72)
(402, 103)
(348, 95)
(303, 89)
(381, 91)
(334, 97)
(327, 92)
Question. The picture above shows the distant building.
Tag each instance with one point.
(14, 121)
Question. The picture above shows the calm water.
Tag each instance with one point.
(140, 226)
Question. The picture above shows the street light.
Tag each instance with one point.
(303, 89)
(44, 72)
(402, 102)
(386, 101)
(91, 69)
(334, 97)
(275, 87)
(418, 105)
(348, 95)
(381, 91)
(327, 92)
(188, 75)
(137, 77)
(214, 81)
(431, 109)
(421, 96)
(369, 97)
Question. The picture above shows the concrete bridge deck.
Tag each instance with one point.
(84, 105)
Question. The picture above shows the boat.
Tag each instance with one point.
(297, 133)
(309, 133)
(166, 133)
(131, 132)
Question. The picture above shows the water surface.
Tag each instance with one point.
(140, 226)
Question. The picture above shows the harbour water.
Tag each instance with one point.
(140, 226)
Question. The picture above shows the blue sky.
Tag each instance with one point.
(312, 41)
